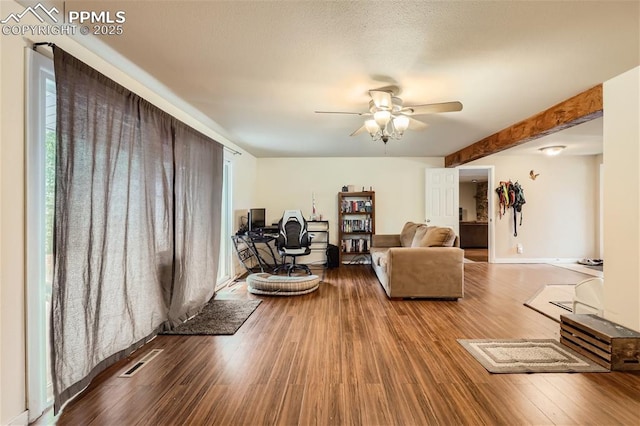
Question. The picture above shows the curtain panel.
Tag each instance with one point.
(197, 192)
(137, 224)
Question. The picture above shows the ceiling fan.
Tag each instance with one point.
(391, 118)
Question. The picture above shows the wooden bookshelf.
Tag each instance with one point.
(356, 225)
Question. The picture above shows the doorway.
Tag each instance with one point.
(476, 213)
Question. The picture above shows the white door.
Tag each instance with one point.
(441, 198)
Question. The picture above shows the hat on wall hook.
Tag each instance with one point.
(533, 175)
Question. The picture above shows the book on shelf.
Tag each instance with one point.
(360, 206)
(357, 225)
(355, 245)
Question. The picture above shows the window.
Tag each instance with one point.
(226, 227)
(41, 143)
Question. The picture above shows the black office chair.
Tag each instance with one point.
(293, 241)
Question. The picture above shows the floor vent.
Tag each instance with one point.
(141, 363)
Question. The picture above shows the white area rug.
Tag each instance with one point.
(541, 301)
(528, 356)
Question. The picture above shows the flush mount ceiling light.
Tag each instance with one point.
(552, 150)
(390, 117)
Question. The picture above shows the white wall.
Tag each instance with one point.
(245, 170)
(468, 201)
(12, 194)
(288, 183)
(621, 131)
(560, 216)
(244, 195)
(12, 244)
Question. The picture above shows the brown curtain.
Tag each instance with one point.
(137, 224)
(198, 193)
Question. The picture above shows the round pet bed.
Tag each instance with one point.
(279, 285)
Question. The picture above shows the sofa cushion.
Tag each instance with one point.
(407, 233)
(421, 231)
(438, 236)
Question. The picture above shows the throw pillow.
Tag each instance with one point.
(407, 234)
(437, 236)
(421, 231)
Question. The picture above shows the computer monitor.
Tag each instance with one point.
(257, 219)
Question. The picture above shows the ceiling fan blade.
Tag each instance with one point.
(416, 125)
(432, 108)
(362, 129)
(381, 99)
(342, 112)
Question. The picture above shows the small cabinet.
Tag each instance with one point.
(319, 232)
(357, 224)
(474, 235)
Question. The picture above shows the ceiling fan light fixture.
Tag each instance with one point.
(382, 118)
(388, 118)
(396, 104)
(552, 150)
(371, 126)
(401, 123)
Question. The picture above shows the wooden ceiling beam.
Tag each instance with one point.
(576, 110)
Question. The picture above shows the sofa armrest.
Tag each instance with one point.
(438, 271)
(380, 240)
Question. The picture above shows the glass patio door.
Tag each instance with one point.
(40, 181)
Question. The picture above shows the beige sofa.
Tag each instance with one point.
(420, 262)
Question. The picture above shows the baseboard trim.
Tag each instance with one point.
(535, 260)
(21, 419)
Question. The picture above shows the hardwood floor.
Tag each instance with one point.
(348, 355)
(477, 255)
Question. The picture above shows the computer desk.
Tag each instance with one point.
(246, 246)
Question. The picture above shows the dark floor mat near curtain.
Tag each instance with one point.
(218, 317)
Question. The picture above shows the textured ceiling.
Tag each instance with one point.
(261, 69)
